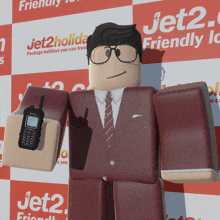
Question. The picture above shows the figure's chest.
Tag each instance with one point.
(136, 109)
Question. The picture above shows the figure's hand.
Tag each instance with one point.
(82, 120)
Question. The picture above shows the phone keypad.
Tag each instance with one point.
(28, 138)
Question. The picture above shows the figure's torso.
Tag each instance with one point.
(133, 151)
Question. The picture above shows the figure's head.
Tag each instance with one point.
(114, 55)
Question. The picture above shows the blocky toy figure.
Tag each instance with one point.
(124, 139)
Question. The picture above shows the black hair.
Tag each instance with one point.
(113, 34)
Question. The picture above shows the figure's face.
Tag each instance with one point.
(108, 72)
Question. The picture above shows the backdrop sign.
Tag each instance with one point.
(43, 43)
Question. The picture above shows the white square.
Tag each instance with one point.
(1, 149)
(4, 199)
(5, 12)
(205, 207)
(196, 206)
(5, 99)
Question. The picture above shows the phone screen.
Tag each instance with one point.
(32, 121)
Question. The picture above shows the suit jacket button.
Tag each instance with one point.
(112, 162)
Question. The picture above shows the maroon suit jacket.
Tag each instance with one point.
(134, 147)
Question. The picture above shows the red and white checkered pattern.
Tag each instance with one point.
(43, 43)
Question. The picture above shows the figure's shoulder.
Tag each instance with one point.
(185, 89)
(141, 89)
(82, 94)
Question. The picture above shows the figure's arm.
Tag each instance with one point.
(187, 136)
(44, 157)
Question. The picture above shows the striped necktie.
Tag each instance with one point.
(109, 126)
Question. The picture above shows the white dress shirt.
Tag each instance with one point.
(116, 101)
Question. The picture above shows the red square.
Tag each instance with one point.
(185, 30)
(39, 200)
(4, 170)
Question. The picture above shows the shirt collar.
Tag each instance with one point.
(116, 95)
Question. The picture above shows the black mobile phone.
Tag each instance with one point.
(31, 126)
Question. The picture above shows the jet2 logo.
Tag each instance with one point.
(2, 49)
(32, 203)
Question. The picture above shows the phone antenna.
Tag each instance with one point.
(41, 102)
